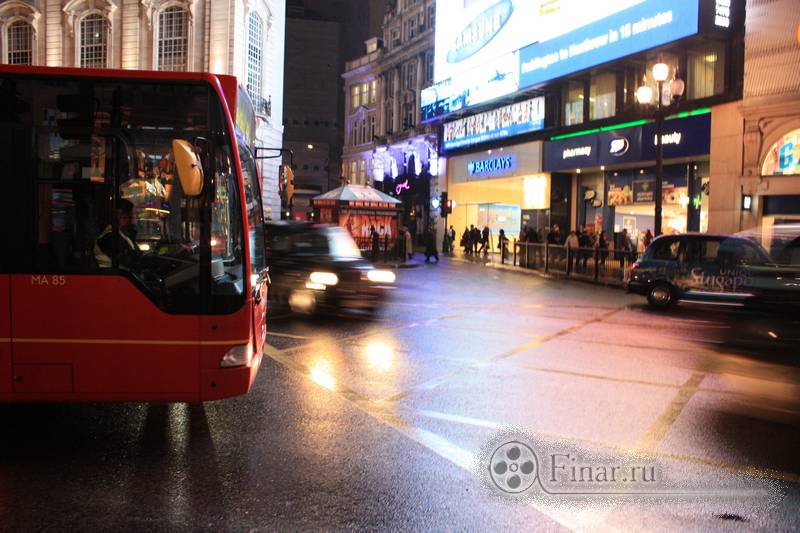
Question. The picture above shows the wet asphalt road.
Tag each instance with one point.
(391, 423)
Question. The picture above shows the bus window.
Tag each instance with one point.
(97, 166)
(252, 196)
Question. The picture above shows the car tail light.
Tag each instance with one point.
(237, 356)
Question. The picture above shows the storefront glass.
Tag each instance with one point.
(632, 203)
(590, 201)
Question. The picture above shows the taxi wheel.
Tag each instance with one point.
(661, 296)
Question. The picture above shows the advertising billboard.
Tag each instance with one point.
(486, 49)
(507, 121)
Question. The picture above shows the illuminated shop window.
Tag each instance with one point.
(573, 103)
(20, 43)
(173, 39)
(94, 42)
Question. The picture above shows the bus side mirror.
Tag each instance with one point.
(190, 170)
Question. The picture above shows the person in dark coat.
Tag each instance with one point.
(485, 240)
(466, 241)
(376, 243)
(430, 246)
(475, 236)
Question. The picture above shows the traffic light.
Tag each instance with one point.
(443, 202)
(288, 175)
(449, 205)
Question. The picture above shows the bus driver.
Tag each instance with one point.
(127, 250)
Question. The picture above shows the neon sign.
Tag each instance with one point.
(402, 186)
(486, 166)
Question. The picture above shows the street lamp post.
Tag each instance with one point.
(645, 95)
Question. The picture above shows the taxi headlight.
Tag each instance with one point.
(381, 276)
(324, 278)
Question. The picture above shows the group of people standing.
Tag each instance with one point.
(476, 241)
(581, 244)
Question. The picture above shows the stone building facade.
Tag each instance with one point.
(384, 142)
(244, 38)
(756, 141)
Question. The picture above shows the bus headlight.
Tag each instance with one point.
(381, 276)
(324, 278)
(237, 356)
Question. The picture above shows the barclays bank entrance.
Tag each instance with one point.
(501, 188)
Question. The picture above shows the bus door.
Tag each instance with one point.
(259, 275)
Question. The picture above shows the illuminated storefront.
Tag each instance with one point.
(502, 188)
(615, 175)
(776, 208)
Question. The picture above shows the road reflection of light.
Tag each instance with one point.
(320, 374)
(380, 356)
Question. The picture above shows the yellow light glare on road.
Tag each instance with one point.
(320, 375)
(380, 356)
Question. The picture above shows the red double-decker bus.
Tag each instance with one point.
(132, 263)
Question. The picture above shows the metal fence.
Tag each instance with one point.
(607, 265)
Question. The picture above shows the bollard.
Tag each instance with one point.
(546, 258)
(515, 252)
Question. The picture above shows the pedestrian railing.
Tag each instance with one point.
(598, 264)
(388, 249)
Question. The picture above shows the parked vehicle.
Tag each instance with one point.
(713, 269)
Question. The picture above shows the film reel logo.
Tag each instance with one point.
(513, 467)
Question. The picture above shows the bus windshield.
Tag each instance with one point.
(107, 195)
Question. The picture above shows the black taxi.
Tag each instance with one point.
(713, 269)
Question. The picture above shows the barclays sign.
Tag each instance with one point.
(491, 166)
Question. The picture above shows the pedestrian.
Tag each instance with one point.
(502, 243)
(573, 245)
(485, 240)
(475, 237)
(376, 243)
(626, 247)
(601, 245)
(451, 238)
(466, 241)
(554, 236)
(648, 238)
(585, 241)
(430, 246)
(409, 244)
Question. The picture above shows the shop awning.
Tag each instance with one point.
(356, 193)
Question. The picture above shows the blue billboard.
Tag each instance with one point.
(586, 37)
(507, 121)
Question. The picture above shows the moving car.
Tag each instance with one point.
(713, 269)
(317, 267)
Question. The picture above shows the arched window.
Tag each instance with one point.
(255, 38)
(173, 39)
(20, 43)
(94, 41)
